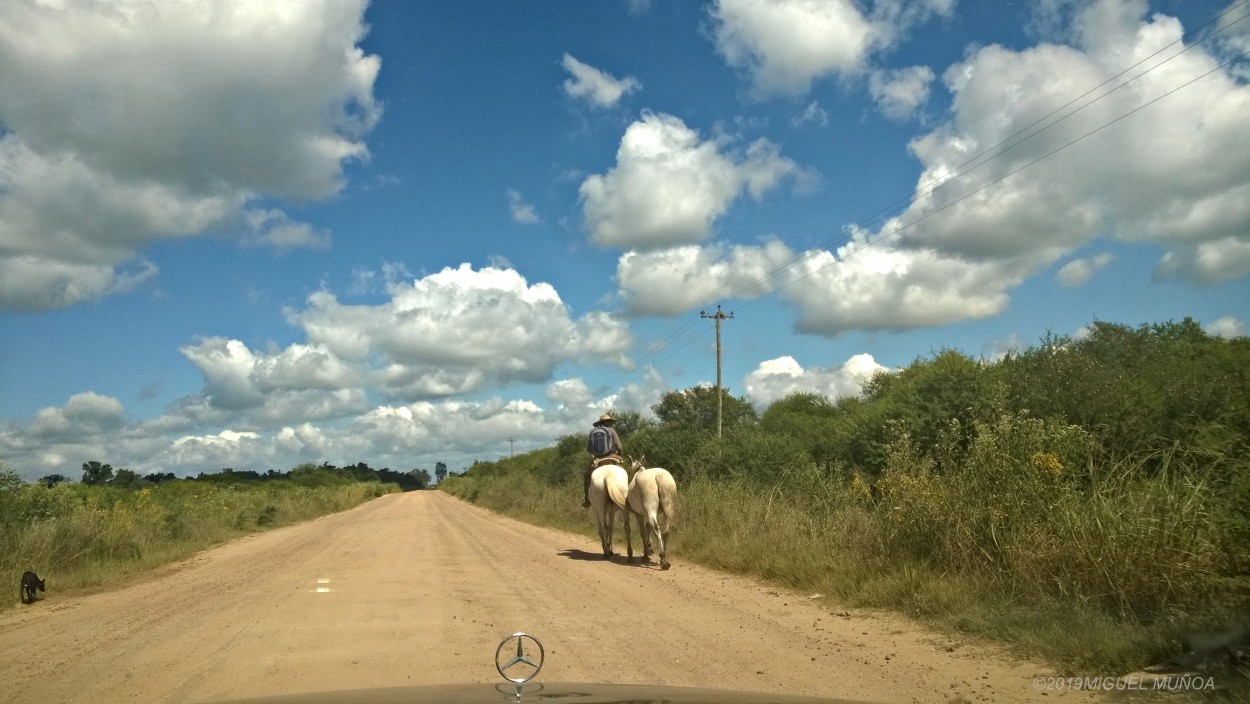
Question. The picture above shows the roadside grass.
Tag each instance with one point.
(1028, 541)
(846, 556)
(522, 495)
(77, 536)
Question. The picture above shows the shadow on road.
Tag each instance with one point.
(575, 554)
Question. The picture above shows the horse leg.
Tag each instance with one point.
(629, 540)
(652, 503)
(653, 524)
(607, 544)
(605, 541)
(644, 532)
(663, 537)
(664, 555)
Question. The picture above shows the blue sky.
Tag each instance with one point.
(252, 235)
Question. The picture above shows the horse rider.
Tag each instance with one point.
(602, 450)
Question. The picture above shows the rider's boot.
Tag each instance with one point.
(586, 489)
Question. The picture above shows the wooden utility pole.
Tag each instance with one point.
(720, 398)
(511, 448)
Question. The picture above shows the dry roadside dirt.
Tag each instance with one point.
(419, 588)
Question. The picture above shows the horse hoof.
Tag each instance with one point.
(664, 564)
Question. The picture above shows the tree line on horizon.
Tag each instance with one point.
(96, 473)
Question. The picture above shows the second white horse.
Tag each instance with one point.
(653, 498)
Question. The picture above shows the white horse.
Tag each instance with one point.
(652, 496)
(609, 489)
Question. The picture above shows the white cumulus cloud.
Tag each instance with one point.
(1227, 327)
(129, 123)
(83, 415)
(775, 379)
(899, 93)
(813, 114)
(1165, 174)
(596, 87)
(459, 330)
(671, 281)
(1078, 271)
(522, 213)
(669, 186)
(866, 284)
(784, 46)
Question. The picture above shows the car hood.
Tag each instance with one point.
(543, 693)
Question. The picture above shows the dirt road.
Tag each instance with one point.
(419, 588)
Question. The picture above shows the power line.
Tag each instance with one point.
(662, 346)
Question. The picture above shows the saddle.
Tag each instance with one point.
(606, 459)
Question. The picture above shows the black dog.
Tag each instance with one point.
(30, 582)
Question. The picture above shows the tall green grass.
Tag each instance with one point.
(85, 536)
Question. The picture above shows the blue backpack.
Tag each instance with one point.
(600, 442)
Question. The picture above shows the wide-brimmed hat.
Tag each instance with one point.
(605, 418)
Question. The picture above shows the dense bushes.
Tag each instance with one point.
(1147, 388)
(1030, 506)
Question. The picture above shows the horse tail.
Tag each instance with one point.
(667, 489)
(618, 491)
